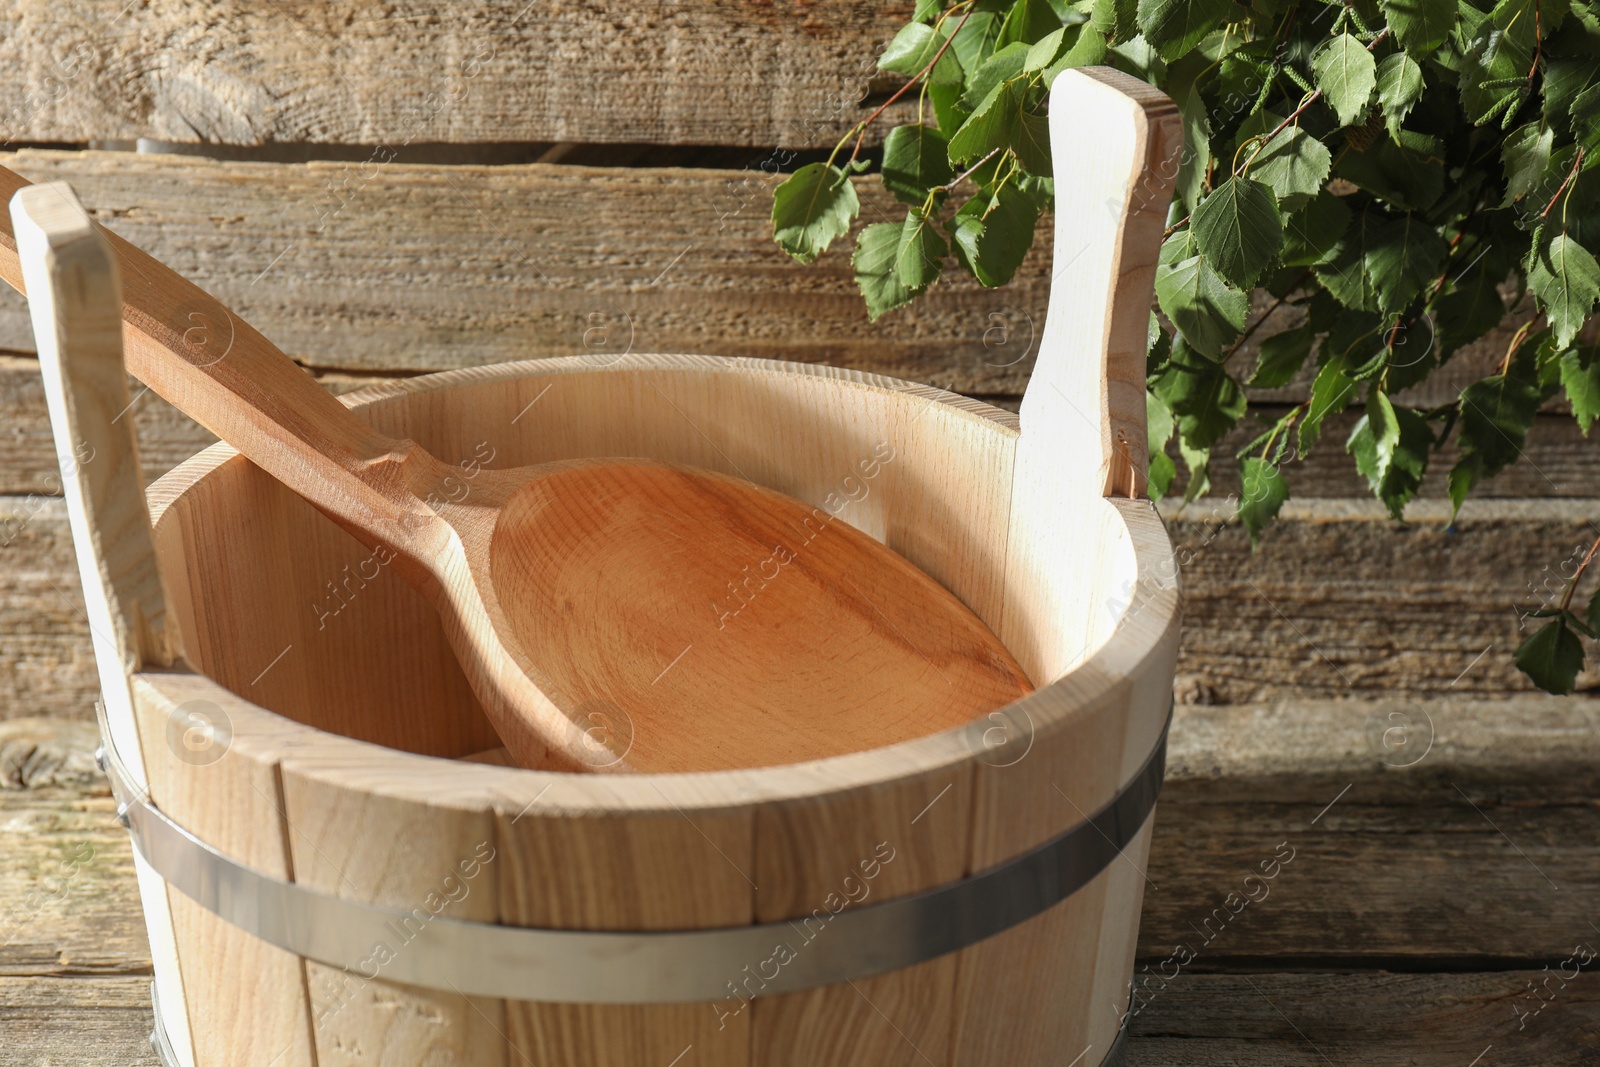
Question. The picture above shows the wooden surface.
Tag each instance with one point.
(425, 71)
(1406, 929)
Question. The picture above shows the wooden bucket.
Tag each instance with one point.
(335, 871)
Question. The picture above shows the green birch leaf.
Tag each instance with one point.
(1172, 27)
(1331, 393)
(877, 250)
(1030, 140)
(1552, 656)
(1421, 25)
(1207, 402)
(1345, 275)
(927, 10)
(1564, 81)
(1469, 310)
(1281, 357)
(947, 109)
(1262, 491)
(1311, 235)
(1586, 123)
(992, 126)
(1088, 49)
(1196, 157)
(1293, 164)
(992, 235)
(1403, 257)
(914, 47)
(998, 69)
(1408, 179)
(1390, 446)
(1029, 21)
(1347, 75)
(921, 256)
(1044, 51)
(1525, 156)
(1206, 310)
(973, 42)
(1566, 279)
(814, 206)
(1400, 86)
(1158, 418)
(1496, 414)
(1467, 472)
(1198, 463)
(1580, 377)
(1492, 69)
(915, 159)
(1238, 229)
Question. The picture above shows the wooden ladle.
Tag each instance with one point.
(610, 614)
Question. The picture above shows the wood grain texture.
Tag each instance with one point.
(227, 792)
(355, 836)
(423, 71)
(1311, 1020)
(732, 626)
(1340, 602)
(411, 268)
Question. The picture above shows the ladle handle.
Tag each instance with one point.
(1116, 143)
(217, 369)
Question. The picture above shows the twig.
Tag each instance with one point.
(1577, 576)
(1267, 315)
(964, 175)
(1577, 164)
(862, 136)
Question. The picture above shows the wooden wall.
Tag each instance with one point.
(394, 188)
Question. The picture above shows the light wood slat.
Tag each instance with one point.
(702, 72)
(235, 802)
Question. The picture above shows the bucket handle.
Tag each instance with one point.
(1116, 143)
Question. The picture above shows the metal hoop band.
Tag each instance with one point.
(604, 967)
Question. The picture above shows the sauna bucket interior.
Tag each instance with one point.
(338, 872)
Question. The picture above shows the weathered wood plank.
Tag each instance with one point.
(1314, 1020)
(704, 72)
(87, 1022)
(1341, 602)
(68, 901)
(408, 268)
(398, 269)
